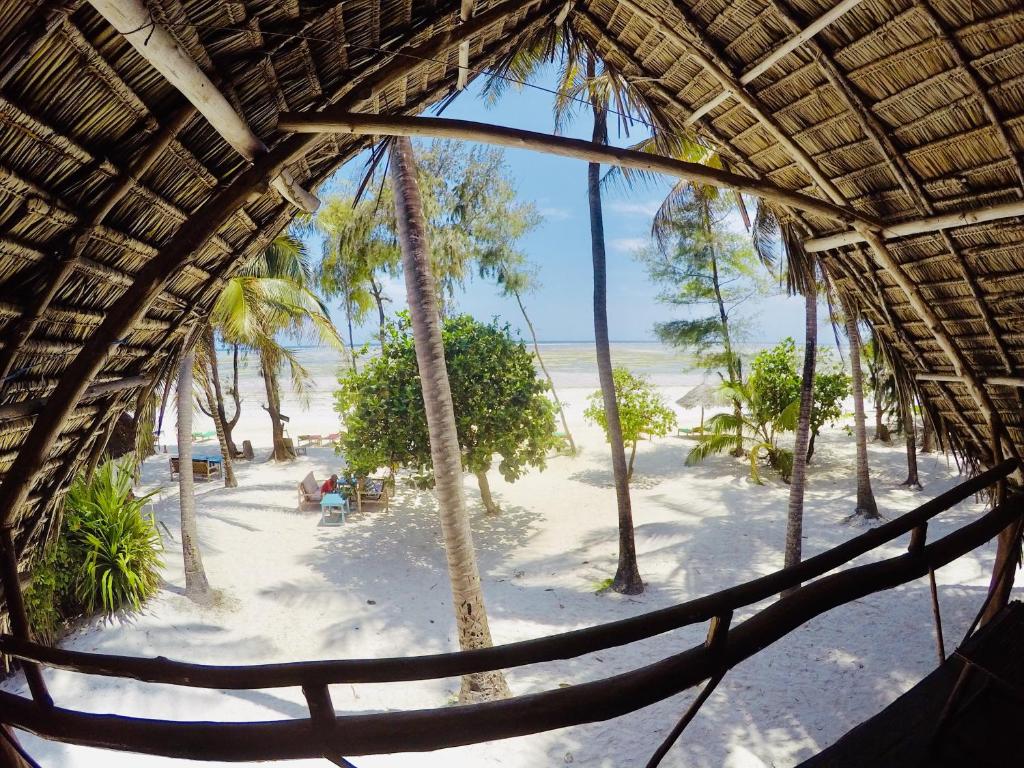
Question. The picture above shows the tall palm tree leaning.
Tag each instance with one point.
(801, 278)
(627, 575)
(580, 82)
(421, 289)
(197, 588)
(866, 506)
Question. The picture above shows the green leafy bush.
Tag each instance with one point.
(107, 556)
(120, 545)
(50, 600)
(642, 411)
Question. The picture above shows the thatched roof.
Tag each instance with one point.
(122, 211)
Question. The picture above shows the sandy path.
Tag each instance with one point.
(292, 590)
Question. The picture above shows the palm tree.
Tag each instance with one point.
(798, 480)
(910, 433)
(421, 289)
(866, 505)
(214, 409)
(207, 361)
(197, 587)
(270, 297)
(358, 242)
(627, 575)
(753, 430)
(580, 83)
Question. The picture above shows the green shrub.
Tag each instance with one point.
(50, 600)
(119, 546)
(106, 557)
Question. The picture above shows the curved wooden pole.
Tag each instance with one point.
(561, 646)
(430, 729)
(338, 120)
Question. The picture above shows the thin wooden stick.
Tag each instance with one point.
(560, 646)
(344, 121)
(940, 645)
(920, 226)
(684, 721)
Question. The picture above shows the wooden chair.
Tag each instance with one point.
(247, 452)
(309, 491)
(202, 468)
(175, 466)
(295, 450)
(373, 490)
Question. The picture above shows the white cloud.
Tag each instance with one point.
(635, 207)
(627, 244)
(557, 214)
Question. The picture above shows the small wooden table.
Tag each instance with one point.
(335, 502)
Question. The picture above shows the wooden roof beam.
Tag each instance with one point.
(991, 381)
(714, 66)
(798, 38)
(465, 13)
(157, 46)
(343, 121)
(25, 408)
(917, 226)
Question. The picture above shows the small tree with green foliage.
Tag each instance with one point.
(500, 404)
(831, 388)
(642, 412)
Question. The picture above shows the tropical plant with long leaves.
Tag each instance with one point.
(118, 546)
(754, 431)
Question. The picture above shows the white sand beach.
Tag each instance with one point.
(293, 590)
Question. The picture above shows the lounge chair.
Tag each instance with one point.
(372, 490)
(309, 491)
(290, 446)
(201, 467)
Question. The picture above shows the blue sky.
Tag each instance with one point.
(560, 248)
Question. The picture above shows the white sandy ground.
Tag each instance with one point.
(377, 587)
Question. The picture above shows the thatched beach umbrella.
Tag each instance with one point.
(706, 395)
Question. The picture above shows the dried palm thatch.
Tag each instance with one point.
(122, 210)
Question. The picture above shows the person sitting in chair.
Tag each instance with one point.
(330, 485)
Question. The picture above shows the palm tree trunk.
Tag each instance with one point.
(910, 433)
(273, 408)
(629, 465)
(378, 298)
(866, 505)
(798, 481)
(197, 588)
(627, 575)
(463, 573)
(927, 433)
(490, 505)
(227, 459)
(551, 382)
(732, 369)
(216, 405)
(351, 339)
